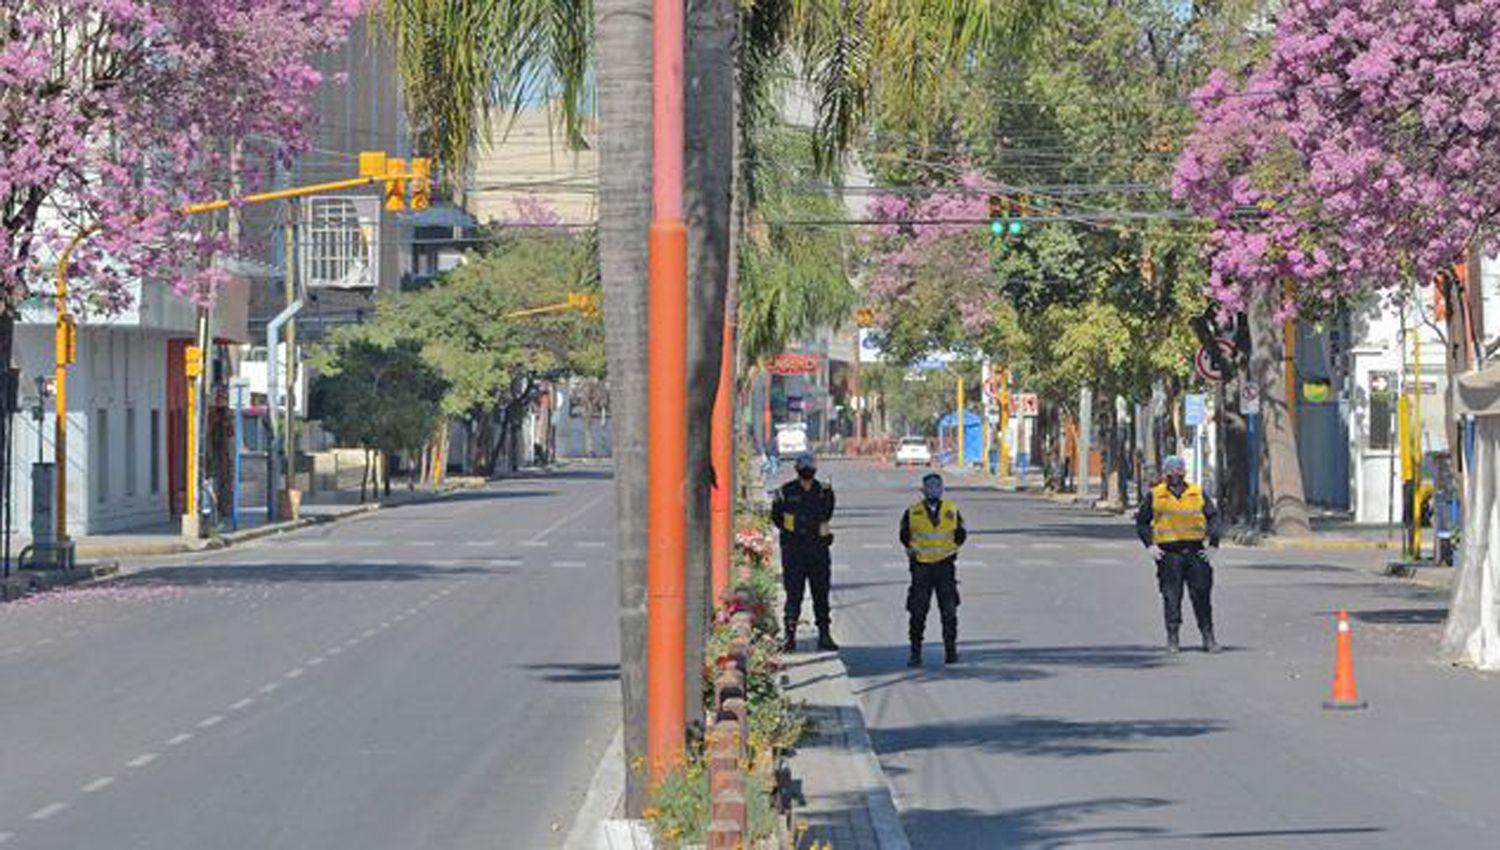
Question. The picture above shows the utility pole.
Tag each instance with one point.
(1085, 428)
(289, 432)
(666, 403)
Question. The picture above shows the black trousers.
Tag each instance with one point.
(928, 580)
(803, 565)
(1190, 568)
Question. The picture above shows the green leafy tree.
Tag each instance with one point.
(381, 396)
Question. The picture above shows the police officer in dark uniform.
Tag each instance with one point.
(932, 530)
(1175, 522)
(802, 512)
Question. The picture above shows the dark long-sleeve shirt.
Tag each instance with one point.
(809, 510)
(1144, 518)
(959, 535)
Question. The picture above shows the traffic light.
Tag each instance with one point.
(421, 183)
(1005, 215)
(372, 164)
(395, 185)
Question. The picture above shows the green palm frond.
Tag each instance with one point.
(463, 61)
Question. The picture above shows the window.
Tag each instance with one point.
(130, 451)
(1382, 411)
(101, 456)
(155, 451)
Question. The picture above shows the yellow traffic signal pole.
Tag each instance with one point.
(374, 167)
(959, 421)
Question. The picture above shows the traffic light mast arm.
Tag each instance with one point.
(584, 302)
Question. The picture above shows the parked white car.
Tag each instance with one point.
(791, 439)
(913, 451)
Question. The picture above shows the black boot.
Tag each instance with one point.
(1210, 645)
(950, 653)
(915, 659)
(790, 644)
(825, 641)
(1173, 644)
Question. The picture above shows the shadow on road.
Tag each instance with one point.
(1074, 823)
(580, 672)
(1056, 825)
(1400, 616)
(993, 661)
(1047, 737)
(1082, 531)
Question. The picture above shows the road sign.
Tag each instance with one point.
(794, 404)
(1194, 409)
(1027, 404)
(1203, 361)
(1249, 398)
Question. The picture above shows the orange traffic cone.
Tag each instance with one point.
(1345, 696)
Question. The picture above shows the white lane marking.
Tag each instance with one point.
(99, 784)
(270, 687)
(47, 811)
(423, 544)
(541, 535)
(6, 836)
(368, 633)
(991, 545)
(1046, 545)
(294, 673)
(975, 564)
(414, 609)
(15, 650)
(385, 625)
(875, 546)
(1108, 544)
(179, 739)
(1101, 562)
(591, 544)
(334, 650)
(478, 543)
(535, 543)
(447, 562)
(314, 661)
(45, 641)
(354, 641)
(569, 565)
(368, 544)
(142, 760)
(241, 704)
(506, 562)
(894, 565)
(210, 722)
(311, 544)
(1033, 562)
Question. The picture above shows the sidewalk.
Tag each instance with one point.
(839, 791)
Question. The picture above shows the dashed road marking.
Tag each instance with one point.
(142, 760)
(506, 562)
(591, 544)
(179, 739)
(385, 625)
(334, 650)
(423, 544)
(99, 784)
(368, 633)
(478, 543)
(314, 661)
(1046, 545)
(991, 545)
(6, 836)
(270, 687)
(210, 722)
(875, 546)
(241, 704)
(569, 565)
(535, 544)
(294, 673)
(45, 641)
(47, 811)
(311, 544)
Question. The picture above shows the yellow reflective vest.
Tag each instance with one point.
(1178, 519)
(931, 542)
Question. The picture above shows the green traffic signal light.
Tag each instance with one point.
(997, 228)
(1015, 228)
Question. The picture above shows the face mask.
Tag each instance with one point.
(932, 491)
(807, 474)
(1175, 480)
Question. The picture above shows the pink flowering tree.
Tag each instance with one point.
(928, 266)
(115, 113)
(1363, 154)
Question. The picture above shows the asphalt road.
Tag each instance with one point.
(432, 676)
(1066, 725)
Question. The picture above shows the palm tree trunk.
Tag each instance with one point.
(707, 202)
(1288, 505)
(622, 30)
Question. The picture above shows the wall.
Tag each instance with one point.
(109, 484)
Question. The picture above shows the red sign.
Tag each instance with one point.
(1027, 404)
(792, 364)
(1203, 361)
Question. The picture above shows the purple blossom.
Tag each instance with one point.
(1364, 153)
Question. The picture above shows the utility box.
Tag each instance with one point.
(46, 551)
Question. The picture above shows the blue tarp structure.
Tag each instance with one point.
(973, 436)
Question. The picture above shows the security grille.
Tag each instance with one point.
(341, 247)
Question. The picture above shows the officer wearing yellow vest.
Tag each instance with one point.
(932, 530)
(1174, 523)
